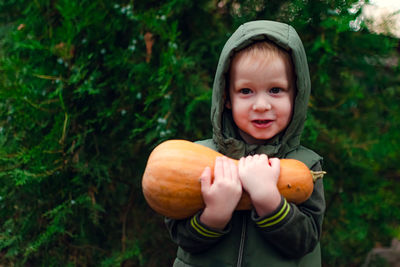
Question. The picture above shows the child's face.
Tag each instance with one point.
(261, 95)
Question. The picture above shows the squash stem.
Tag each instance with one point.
(317, 175)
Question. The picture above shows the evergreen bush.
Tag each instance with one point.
(89, 88)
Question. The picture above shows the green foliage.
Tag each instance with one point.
(84, 99)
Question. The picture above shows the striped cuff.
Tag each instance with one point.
(282, 212)
(202, 229)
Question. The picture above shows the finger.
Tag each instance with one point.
(234, 170)
(275, 165)
(248, 159)
(242, 161)
(241, 165)
(227, 168)
(264, 159)
(218, 168)
(205, 179)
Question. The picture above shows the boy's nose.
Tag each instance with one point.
(261, 104)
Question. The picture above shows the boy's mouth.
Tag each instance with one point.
(262, 123)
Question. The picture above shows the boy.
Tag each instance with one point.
(259, 103)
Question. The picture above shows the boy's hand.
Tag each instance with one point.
(222, 196)
(259, 176)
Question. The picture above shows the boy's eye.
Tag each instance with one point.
(245, 91)
(275, 90)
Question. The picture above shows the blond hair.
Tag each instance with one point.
(267, 49)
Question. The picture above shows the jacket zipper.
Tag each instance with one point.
(243, 234)
(242, 238)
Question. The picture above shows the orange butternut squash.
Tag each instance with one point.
(172, 188)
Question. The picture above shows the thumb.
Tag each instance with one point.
(275, 165)
(205, 179)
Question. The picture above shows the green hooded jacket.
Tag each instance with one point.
(288, 237)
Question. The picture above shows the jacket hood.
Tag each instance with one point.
(225, 134)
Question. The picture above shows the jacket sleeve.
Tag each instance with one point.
(193, 236)
(295, 230)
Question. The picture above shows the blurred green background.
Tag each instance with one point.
(89, 88)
